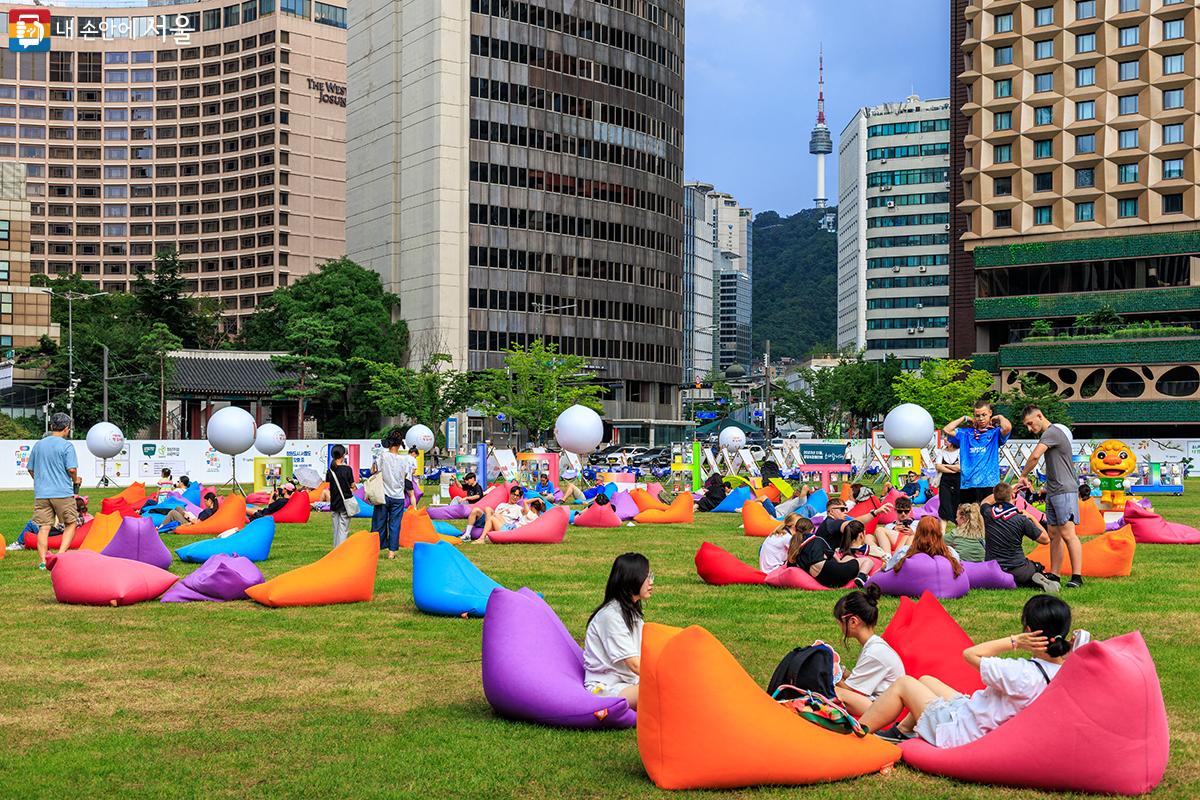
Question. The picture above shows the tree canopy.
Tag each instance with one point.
(946, 388)
(428, 395)
(1033, 390)
(847, 397)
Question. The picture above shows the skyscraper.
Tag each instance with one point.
(698, 279)
(733, 264)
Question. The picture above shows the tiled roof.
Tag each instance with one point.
(220, 372)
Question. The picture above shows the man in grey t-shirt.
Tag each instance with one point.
(1062, 490)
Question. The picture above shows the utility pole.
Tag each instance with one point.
(104, 348)
(767, 388)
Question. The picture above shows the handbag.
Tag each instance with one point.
(373, 490)
(349, 503)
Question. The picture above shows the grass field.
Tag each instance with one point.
(212, 700)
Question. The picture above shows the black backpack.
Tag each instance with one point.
(809, 668)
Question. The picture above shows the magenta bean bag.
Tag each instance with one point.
(222, 577)
(987, 575)
(1151, 528)
(598, 516)
(890, 516)
(624, 505)
(533, 669)
(923, 573)
(453, 511)
(84, 577)
(137, 540)
(549, 528)
(796, 578)
(258, 498)
(493, 497)
(1099, 727)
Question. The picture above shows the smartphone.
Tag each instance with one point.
(1082, 637)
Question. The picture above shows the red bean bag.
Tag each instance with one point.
(55, 542)
(1107, 556)
(756, 520)
(133, 495)
(258, 498)
(297, 509)
(1091, 519)
(549, 528)
(416, 526)
(84, 577)
(457, 491)
(230, 515)
(682, 510)
(930, 642)
(346, 574)
(1151, 528)
(1099, 727)
(597, 516)
(720, 567)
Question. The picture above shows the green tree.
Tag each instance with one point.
(161, 298)
(1033, 390)
(817, 404)
(1104, 319)
(156, 344)
(946, 388)
(1040, 327)
(536, 385)
(429, 395)
(312, 369)
(365, 327)
(722, 402)
(866, 389)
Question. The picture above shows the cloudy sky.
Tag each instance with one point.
(751, 84)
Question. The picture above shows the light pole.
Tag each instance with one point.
(71, 297)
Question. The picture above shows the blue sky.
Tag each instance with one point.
(751, 85)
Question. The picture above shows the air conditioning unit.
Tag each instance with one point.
(924, 269)
(947, 226)
(891, 204)
(885, 188)
(920, 305)
(895, 269)
(921, 329)
(911, 331)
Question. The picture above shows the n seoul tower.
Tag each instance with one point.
(821, 143)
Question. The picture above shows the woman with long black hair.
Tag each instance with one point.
(612, 647)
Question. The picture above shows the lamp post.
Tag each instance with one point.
(71, 297)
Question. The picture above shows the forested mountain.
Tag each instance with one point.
(795, 284)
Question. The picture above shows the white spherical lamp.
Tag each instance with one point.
(105, 440)
(231, 430)
(579, 430)
(270, 439)
(420, 437)
(907, 427)
(732, 439)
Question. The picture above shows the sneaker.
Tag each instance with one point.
(860, 581)
(17, 545)
(1053, 577)
(894, 734)
(42, 566)
(1076, 582)
(1044, 583)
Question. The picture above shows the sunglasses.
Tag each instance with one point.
(650, 577)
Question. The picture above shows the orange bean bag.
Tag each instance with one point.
(757, 520)
(720, 567)
(549, 528)
(103, 528)
(703, 723)
(768, 493)
(646, 501)
(314, 495)
(3, 547)
(930, 642)
(1107, 556)
(682, 510)
(344, 575)
(230, 514)
(846, 494)
(416, 526)
(1091, 520)
(55, 542)
(297, 509)
(133, 495)
(598, 516)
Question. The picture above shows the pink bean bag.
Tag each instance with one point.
(492, 497)
(1151, 528)
(85, 577)
(598, 516)
(1099, 727)
(796, 578)
(888, 517)
(924, 573)
(297, 510)
(720, 567)
(549, 528)
(930, 642)
(258, 498)
(988, 575)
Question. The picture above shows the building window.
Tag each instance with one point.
(1043, 181)
(1085, 178)
(1085, 212)
(1043, 16)
(1002, 57)
(1043, 49)
(1085, 109)
(4, 230)
(1002, 186)
(1130, 5)
(1127, 207)
(1130, 36)
(1172, 204)
(1085, 9)
(1172, 98)
(1002, 121)
(1085, 43)
(1003, 88)
(1127, 139)
(1002, 153)
(4, 270)
(1085, 76)
(1043, 82)
(1043, 148)
(1173, 134)
(1004, 23)
(1085, 143)
(1042, 215)
(1043, 115)
(327, 14)
(1002, 219)
(296, 8)
(1127, 104)
(1172, 29)
(1172, 168)
(1129, 70)
(1127, 173)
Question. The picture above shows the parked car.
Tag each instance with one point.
(624, 453)
(654, 457)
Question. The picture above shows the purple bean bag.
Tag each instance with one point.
(548, 687)
(454, 511)
(987, 575)
(222, 577)
(624, 505)
(922, 573)
(931, 508)
(137, 540)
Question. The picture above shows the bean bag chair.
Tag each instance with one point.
(258, 498)
(720, 567)
(1091, 519)
(84, 577)
(889, 516)
(133, 495)
(1106, 556)
(923, 573)
(222, 577)
(367, 511)
(492, 497)
(456, 491)
(445, 528)
(315, 495)
(819, 500)
(416, 526)
(623, 504)
(1024, 505)
(734, 501)
(646, 501)
(987, 575)
(757, 521)
(194, 493)
(1099, 727)
(768, 492)
(446, 583)
(549, 688)
(1151, 528)
(101, 530)
(930, 642)
(344, 575)
(455, 511)
(597, 516)
(297, 509)
(846, 493)
(549, 528)
(252, 542)
(931, 508)
(703, 723)
(682, 510)
(230, 513)
(29, 540)
(137, 540)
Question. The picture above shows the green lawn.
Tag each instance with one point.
(377, 700)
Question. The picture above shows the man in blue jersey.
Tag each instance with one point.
(979, 439)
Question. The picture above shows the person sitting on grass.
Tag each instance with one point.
(716, 489)
(543, 486)
(833, 568)
(945, 717)
(1004, 527)
(798, 503)
(968, 536)
(773, 553)
(165, 483)
(181, 517)
(878, 665)
(279, 499)
(527, 512)
(928, 539)
(612, 646)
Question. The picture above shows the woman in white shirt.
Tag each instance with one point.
(773, 552)
(878, 665)
(385, 520)
(612, 647)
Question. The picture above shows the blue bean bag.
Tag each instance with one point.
(365, 509)
(445, 528)
(819, 500)
(733, 502)
(252, 541)
(192, 494)
(445, 583)
(923, 573)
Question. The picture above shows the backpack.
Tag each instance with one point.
(805, 669)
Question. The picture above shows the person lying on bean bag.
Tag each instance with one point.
(510, 516)
(279, 499)
(715, 490)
